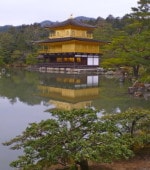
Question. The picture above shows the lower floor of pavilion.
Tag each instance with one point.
(76, 60)
(68, 62)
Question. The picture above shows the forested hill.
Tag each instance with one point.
(89, 20)
(5, 28)
(48, 22)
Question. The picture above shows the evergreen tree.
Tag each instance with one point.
(131, 47)
(70, 139)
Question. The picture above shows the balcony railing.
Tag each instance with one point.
(65, 65)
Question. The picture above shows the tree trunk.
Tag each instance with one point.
(136, 70)
(84, 165)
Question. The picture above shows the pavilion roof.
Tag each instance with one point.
(69, 39)
(70, 22)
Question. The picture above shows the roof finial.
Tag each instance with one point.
(71, 16)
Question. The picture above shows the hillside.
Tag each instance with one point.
(48, 23)
(5, 28)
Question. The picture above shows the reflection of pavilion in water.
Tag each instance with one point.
(70, 91)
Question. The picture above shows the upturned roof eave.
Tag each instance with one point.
(70, 39)
(70, 22)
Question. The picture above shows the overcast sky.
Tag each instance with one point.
(18, 12)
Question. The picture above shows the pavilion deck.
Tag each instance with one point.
(65, 65)
(64, 68)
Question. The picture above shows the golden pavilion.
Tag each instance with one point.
(69, 47)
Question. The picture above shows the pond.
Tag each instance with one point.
(26, 96)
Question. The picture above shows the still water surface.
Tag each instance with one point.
(26, 96)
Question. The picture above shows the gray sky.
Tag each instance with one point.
(18, 12)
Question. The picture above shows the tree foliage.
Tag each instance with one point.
(17, 42)
(128, 50)
(74, 137)
(131, 46)
(104, 31)
(134, 124)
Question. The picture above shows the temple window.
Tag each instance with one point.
(73, 33)
(59, 59)
(67, 33)
(78, 60)
(89, 34)
(83, 34)
(57, 33)
(65, 59)
(52, 33)
(45, 47)
(70, 59)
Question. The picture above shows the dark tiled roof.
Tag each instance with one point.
(72, 22)
(69, 39)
